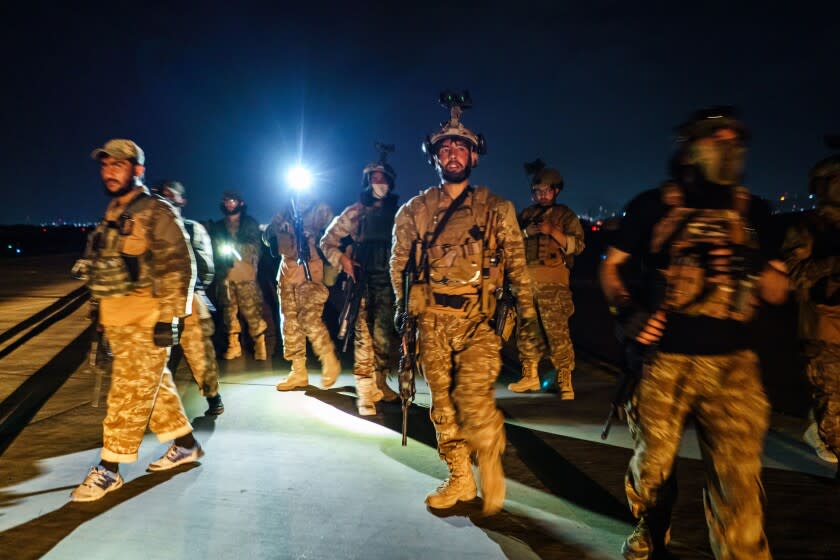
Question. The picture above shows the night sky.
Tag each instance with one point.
(227, 97)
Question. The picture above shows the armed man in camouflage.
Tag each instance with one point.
(553, 237)
(368, 224)
(142, 274)
(467, 242)
(236, 247)
(302, 300)
(812, 254)
(706, 242)
(197, 338)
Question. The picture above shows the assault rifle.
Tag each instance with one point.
(408, 342)
(631, 372)
(354, 291)
(301, 243)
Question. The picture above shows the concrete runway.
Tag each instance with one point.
(299, 475)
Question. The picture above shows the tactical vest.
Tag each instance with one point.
(112, 272)
(463, 265)
(689, 234)
(545, 259)
(374, 238)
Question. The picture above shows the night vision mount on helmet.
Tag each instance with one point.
(382, 165)
(453, 128)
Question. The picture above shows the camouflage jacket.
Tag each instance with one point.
(812, 254)
(148, 238)
(416, 220)
(315, 220)
(547, 260)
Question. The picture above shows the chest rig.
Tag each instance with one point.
(374, 232)
(113, 272)
(460, 264)
(540, 249)
(690, 236)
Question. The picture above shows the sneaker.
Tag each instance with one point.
(99, 481)
(176, 456)
(216, 406)
(812, 438)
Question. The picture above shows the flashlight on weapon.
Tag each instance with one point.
(229, 250)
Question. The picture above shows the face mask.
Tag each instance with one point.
(721, 162)
(380, 190)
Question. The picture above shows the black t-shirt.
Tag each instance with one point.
(686, 334)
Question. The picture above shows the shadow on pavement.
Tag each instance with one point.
(37, 537)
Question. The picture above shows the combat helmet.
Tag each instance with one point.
(453, 128)
(542, 175)
(381, 165)
(706, 121)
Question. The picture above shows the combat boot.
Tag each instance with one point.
(368, 395)
(648, 540)
(298, 377)
(259, 348)
(812, 438)
(492, 478)
(530, 378)
(384, 391)
(564, 385)
(459, 487)
(233, 350)
(330, 369)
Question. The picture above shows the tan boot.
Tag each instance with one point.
(386, 393)
(530, 378)
(564, 386)
(330, 369)
(259, 348)
(298, 377)
(492, 479)
(233, 350)
(368, 395)
(459, 487)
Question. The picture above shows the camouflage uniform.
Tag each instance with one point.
(458, 352)
(197, 338)
(714, 378)
(811, 254)
(369, 227)
(549, 266)
(302, 302)
(238, 291)
(141, 276)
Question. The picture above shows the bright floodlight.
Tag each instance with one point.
(299, 178)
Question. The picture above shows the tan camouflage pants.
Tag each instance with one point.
(731, 412)
(245, 298)
(301, 310)
(197, 344)
(142, 394)
(460, 360)
(374, 335)
(824, 375)
(554, 306)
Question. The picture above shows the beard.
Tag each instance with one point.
(126, 188)
(452, 176)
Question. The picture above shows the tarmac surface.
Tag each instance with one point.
(299, 475)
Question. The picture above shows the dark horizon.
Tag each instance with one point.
(226, 98)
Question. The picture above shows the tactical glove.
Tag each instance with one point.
(168, 333)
